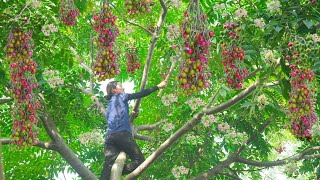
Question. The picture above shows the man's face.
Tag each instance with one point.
(119, 89)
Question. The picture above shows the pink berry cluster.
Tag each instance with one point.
(194, 71)
(302, 95)
(233, 57)
(132, 60)
(23, 83)
(68, 12)
(138, 7)
(105, 66)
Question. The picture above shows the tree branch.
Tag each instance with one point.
(213, 97)
(243, 94)
(143, 137)
(149, 126)
(261, 129)
(94, 98)
(129, 22)
(172, 67)
(64, 150)
(116, 170)
(82, 63)
(148, 61)
(40, 144)
(187, 127)
(6, 100)
(278, 162)
(218, 168)
(232, 158)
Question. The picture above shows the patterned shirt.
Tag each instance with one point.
(118, 110)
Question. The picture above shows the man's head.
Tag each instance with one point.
(114, 87)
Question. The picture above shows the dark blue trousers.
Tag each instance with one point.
(115, 143)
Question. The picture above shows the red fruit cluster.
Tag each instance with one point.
(137, 7)
(233, 57)
(68, 12)
(302, 96)
(132, 60)
(194, 69)
(23, 83)
(105, 25)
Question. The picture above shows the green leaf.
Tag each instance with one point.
(285, 88)
(247, 104)
(278, 28)
(223, 93)
(316, 66)
(251, 52)
(308, 23)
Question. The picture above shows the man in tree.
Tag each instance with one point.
(119, 135)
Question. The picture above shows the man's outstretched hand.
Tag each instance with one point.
(162, 84)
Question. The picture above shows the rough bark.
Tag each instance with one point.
(64, 150)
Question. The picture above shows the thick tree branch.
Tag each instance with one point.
(243, 94)
(132, 23)
(116, 170)
(6, 100)
(64, 150)
(187, 127)
(148, 60)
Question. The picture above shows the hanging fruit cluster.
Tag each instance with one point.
(132, 60)
(302, 95)
(233, 57)
(138, 7)
(194, 69)
(23, 83)
(68, 12)
(105, 66)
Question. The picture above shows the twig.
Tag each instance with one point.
(175, 60)
(213, 97)
(148, 61)
(279, 162)
(149, 126)
(135, 24)
(82, 63)
(249, 141)
(143, 137)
